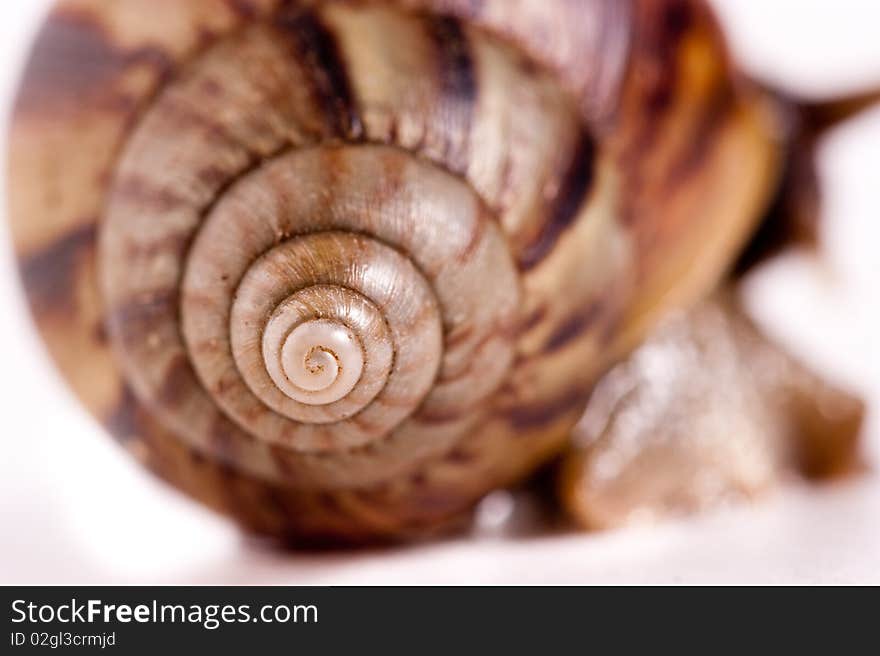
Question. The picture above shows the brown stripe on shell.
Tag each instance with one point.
(124, 421)
(222, 435)
(455, 66)
(498, 333)
(439, 416)
(573, 192)
(460, 456)
(313, 42)
(141, 191)
(172, 244)
(242, 8)
(534, 319)
(143, 313)
(457, 85)
(49, 275)
(714, 117)
(671, 27)
(576, 325)
(187, 116)
(179, 377)
(74, 61)
(584, 42)
(538, 415)
(658, 41)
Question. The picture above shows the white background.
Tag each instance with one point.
(75, 509)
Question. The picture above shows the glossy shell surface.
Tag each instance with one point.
(338, 269)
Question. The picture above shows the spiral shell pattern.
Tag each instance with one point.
(340, 268)
(235, 229)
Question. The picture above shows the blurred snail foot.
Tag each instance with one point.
(707, 412)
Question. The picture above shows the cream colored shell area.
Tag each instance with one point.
(316, 347)
(233, 204)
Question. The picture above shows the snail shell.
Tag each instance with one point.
(338, 269)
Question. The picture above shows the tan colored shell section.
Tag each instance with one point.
(610, 202)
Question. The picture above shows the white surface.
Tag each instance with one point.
(75, 509)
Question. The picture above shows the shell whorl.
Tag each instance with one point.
(386, 255)
(269, 232)
(354, 299)
(340, 268)
(317, 356)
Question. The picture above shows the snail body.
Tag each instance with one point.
(338, 269)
